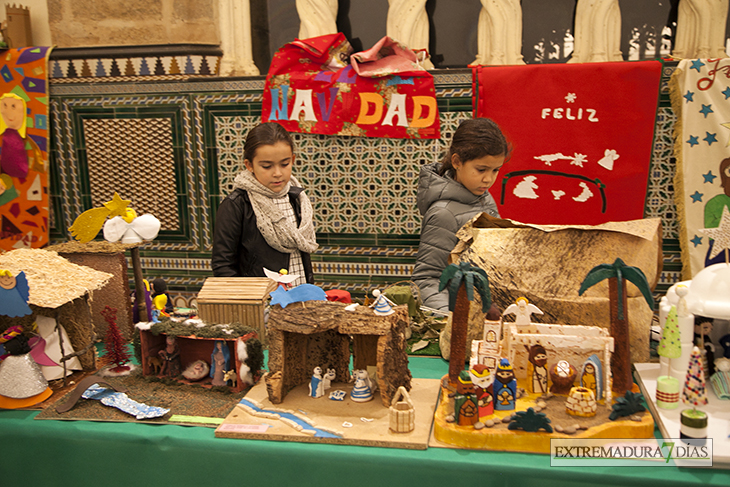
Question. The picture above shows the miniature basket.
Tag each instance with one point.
(402, 412)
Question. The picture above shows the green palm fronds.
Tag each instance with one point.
(472, 277)
(620, 271)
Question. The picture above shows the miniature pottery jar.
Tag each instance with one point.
(581, 402)
(667, 392)
(693, 424)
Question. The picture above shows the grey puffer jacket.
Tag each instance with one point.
(445, 206)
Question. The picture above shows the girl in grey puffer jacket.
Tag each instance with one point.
(450, 193)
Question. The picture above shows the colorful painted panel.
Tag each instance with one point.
(701, 98)
(24, 153)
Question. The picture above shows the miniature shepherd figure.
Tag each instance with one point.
(363, 391)
(316, 385)
(171, 356)
(328, 378)
(536, 369)
(505, 389)
(483, 381)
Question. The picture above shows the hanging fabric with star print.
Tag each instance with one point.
(700, 91)
(582, 137)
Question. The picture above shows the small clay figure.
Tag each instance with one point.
(466, 410)
(362, 391)
(196, 371)
(505, 387)
(219, 363)
(562, 374)
(483, 381)
(703, 328)
(536, 369)
(591, 377)
(171, 357)
(328, 378)
(382, 305)
(316, 386)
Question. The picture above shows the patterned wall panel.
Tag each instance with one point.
(363, 189)
(140, 170)
(142, 147)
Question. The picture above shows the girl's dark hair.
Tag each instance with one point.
(268, 133)
(473, 139)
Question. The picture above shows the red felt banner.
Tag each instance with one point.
(582, 137)
(311, 88)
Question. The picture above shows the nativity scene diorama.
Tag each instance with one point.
(528, 382)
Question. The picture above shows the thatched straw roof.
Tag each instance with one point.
(93, 247)
(53, 280)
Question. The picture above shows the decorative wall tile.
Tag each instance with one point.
(142, 170)
(363, 189)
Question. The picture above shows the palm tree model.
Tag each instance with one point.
(617, 274)
(461, 280)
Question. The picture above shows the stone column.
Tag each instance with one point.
(235, 30)
(317, 18)
(408, 23)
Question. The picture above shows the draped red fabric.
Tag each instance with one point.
(581, 134)
(312, 88)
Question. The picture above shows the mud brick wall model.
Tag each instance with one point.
(173, 142)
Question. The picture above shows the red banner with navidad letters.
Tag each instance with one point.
(312, 88)
(582, 137)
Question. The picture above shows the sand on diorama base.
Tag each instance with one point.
(330, 415)
(500, 438)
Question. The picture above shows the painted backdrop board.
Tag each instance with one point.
(582, 137)
(24, 151)
(700, 90)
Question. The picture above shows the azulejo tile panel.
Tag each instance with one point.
(363, 189)
(141, 170)
(357, 185)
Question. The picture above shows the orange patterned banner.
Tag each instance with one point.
(24, 151)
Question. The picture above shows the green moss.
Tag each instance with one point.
(209, 330)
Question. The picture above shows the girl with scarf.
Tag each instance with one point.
(267, 220)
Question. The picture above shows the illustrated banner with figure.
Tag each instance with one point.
(582, 138)
(24, 151)
(312, 87)
(700, 91)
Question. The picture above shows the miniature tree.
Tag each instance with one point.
(670, 345)
(461, 280)
(116, 347)
(694, 391)
(617, 274)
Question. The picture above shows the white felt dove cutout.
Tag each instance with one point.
(145, 227)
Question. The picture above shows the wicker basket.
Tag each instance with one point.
(402, 412)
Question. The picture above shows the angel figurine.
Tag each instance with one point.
(523, 311)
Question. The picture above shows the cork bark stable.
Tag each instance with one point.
(303, 336)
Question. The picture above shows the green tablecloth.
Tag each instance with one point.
(79, 453)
